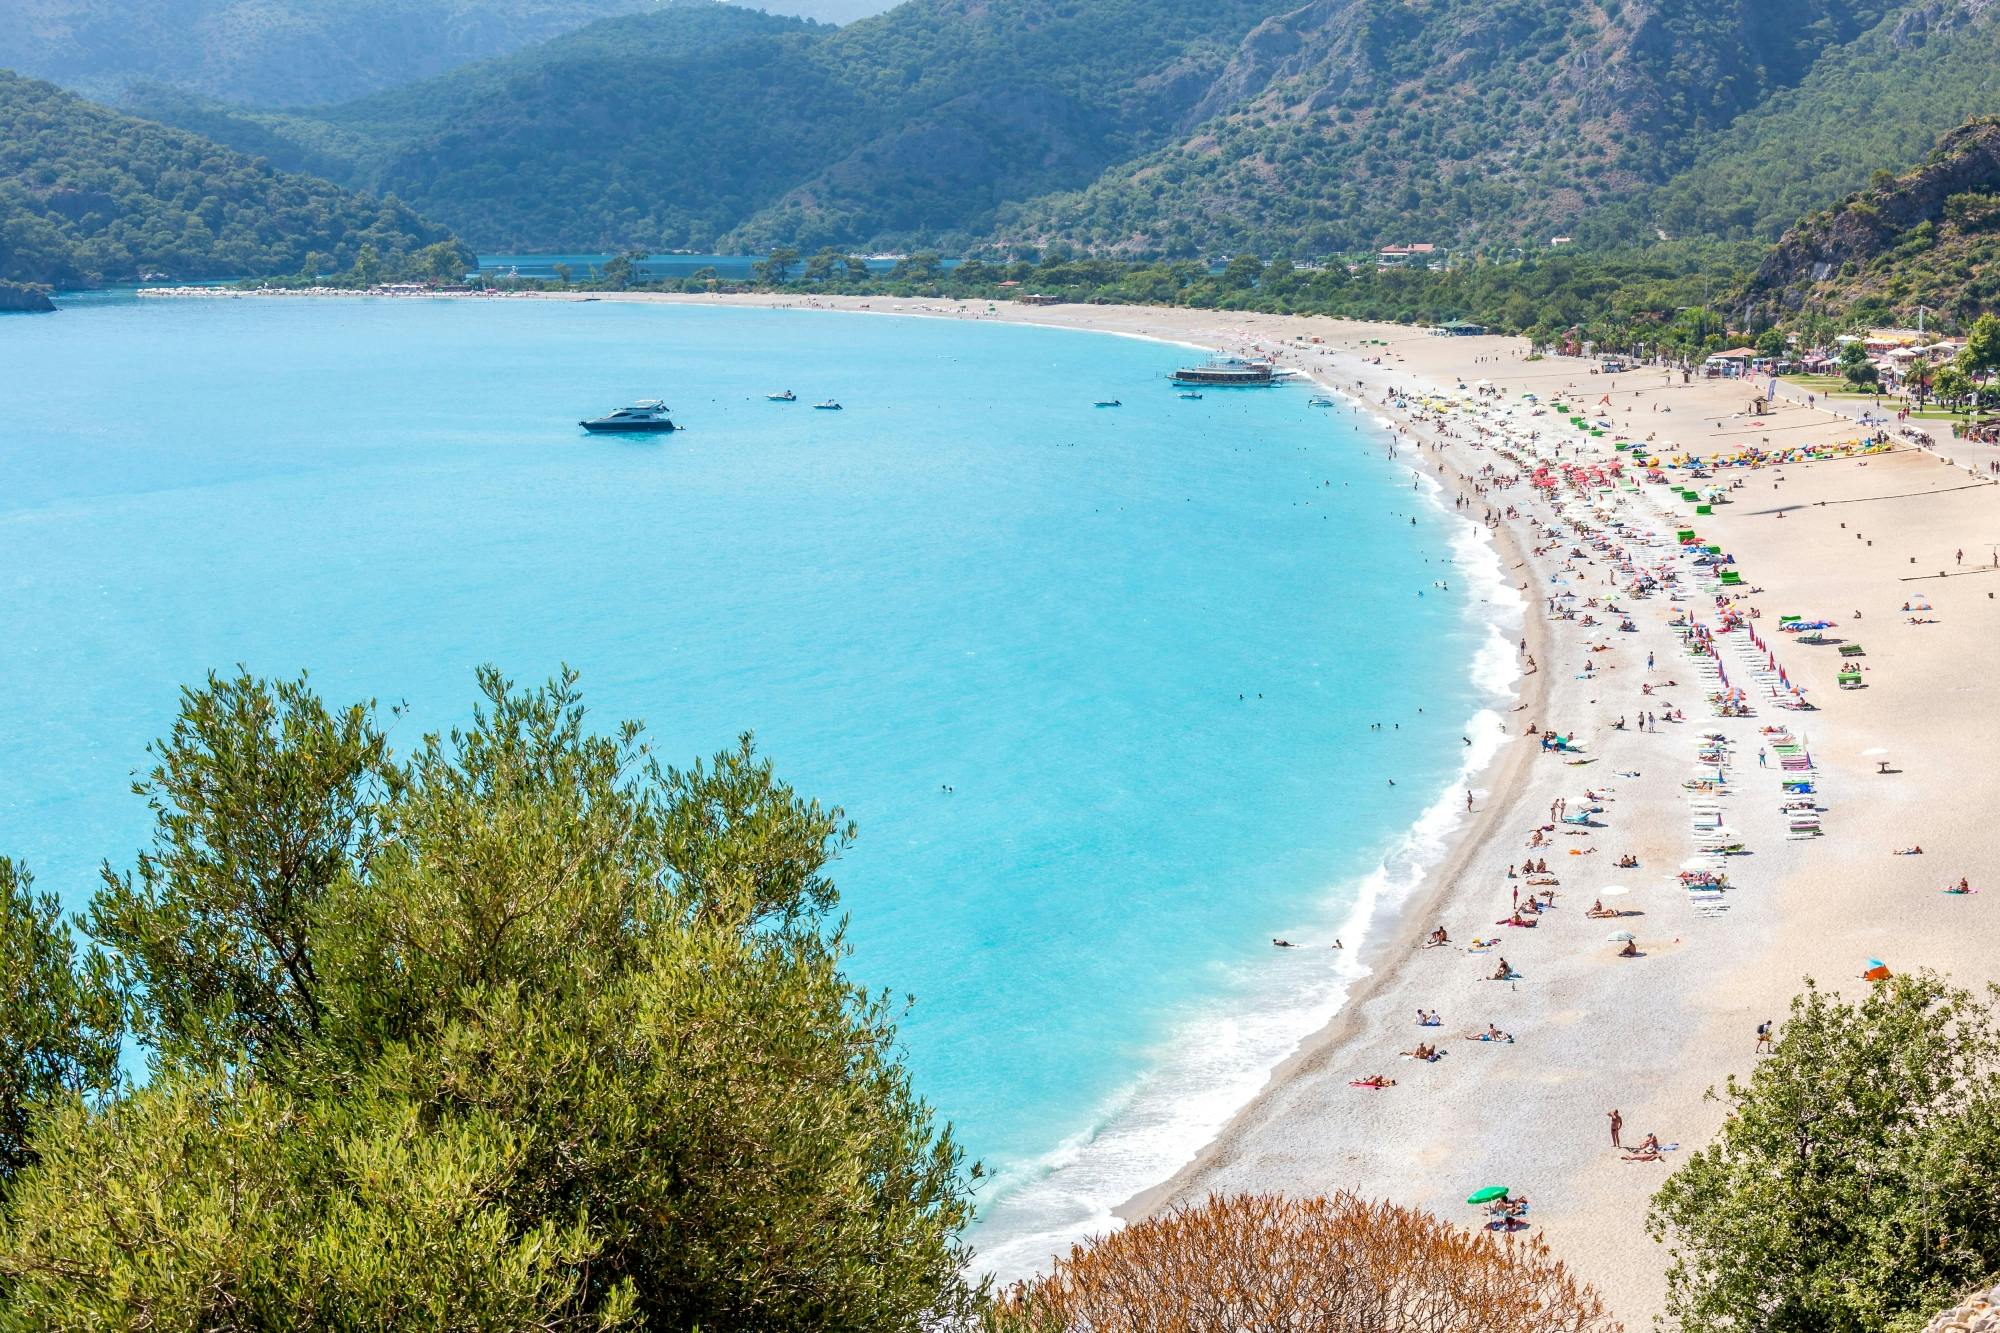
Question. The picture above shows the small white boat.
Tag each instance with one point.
(786, 397)
(1319, 402)
(828, 406)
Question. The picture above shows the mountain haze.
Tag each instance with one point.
(275, 52)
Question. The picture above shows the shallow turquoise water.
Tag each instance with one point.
(1143, 646)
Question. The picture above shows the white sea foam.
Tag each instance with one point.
(1219, 1056)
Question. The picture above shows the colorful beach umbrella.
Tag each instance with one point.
(1487, 1195)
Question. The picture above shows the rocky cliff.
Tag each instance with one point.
(1899, 218)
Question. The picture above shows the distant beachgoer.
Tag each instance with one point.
(1631, 949)
(1617, 1123)
(1763, 1037)
(1283, 944)
(1503, 972)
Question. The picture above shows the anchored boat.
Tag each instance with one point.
(1227, 372)
(647, 416)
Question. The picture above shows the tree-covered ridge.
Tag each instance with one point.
(1350, 123)
(718, 130)
(88, 195)
(275, 52)
(1876, 103)
(355, 142)
(1930, 237)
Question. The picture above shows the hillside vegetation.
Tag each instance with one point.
(1877, 103)
(1149, 127)
(89, 195)
(275, 52)
(726, 128)
(1930, 237)
(1346, 123)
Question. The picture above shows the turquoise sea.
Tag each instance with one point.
(1097, 684)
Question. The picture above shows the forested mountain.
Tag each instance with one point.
(1930, 237)
(87, 194)
(1348, 122)
(275, 52)
(1877, 103)
(1157, 127)
(724, 127)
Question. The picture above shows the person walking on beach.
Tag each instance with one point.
(1763, 1037)
(1617, 1123)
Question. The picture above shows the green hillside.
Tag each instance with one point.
(89, 195)
(1152, 127)
(1348, 123)
(1929, 237)
(275, 52)
(729, 128)
(1877, 103)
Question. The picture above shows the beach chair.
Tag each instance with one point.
(1851, 650)
(1849, 678)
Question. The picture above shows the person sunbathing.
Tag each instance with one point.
(1504, 972)
(1516, 920)
(1651, 1144)
(1437, 937)
(1491, 1034)
(1627, 861)
(1631, 949)
(1598, 909)
(1962, 886)
(1372, 1081)
(1911, 850)
(1428, 1019)
(1427, 1053)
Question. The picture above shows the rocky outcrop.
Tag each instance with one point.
(1855, 231)
(25, 296)
(1977, 1313)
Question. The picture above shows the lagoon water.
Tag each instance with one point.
(1097, 684)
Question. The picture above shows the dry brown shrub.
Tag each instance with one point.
(1263, 1263)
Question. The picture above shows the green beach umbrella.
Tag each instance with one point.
(1489, 1194)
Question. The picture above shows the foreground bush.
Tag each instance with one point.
(1331, 1265)
(521, 1031)
(1856, 1183)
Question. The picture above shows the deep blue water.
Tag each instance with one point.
(1142, 646)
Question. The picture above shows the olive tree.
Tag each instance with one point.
(1855, 1185)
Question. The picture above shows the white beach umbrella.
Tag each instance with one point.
(1613, 890)
(1619, 937)
(1875, 752)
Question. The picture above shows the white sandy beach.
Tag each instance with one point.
(1647, 1035)
(1850, 540)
